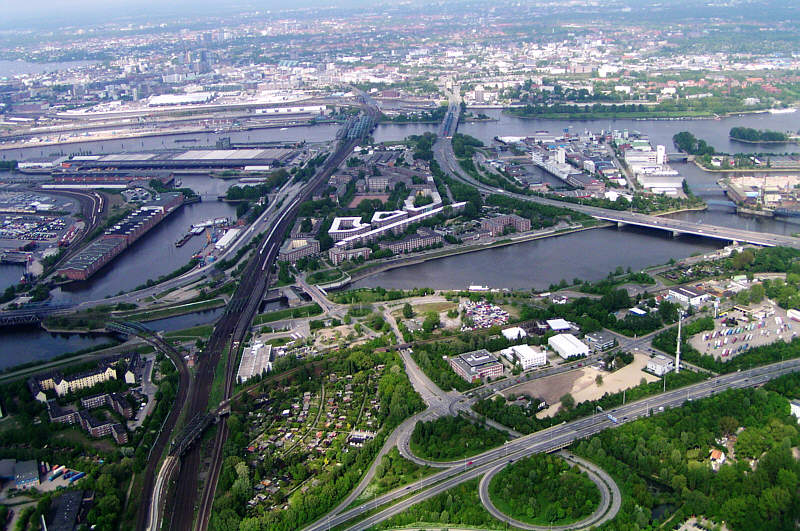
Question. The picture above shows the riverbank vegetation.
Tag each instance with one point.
(273, 181)
(450, 438)
(748, 134)
(433, 116)
(378, 294)
(544, 489)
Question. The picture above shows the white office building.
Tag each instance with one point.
(660, 365)
(687, 296)
(568, 346)
(527, 356)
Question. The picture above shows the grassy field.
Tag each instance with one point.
(203, 331)
(176, 310)
(289, 313)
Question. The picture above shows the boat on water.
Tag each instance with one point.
(782, 111)
(186, 237)
(211, 223)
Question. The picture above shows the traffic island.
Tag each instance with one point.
(545, 515)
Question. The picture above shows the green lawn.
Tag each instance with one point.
(289, 313)
(202, 331)
(172, 311)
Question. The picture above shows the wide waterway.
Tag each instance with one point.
(589, 254)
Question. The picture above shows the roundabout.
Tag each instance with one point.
(610, 497)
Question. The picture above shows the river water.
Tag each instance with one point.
(586, 255)
(16, 68)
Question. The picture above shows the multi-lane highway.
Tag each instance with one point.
(551, 439)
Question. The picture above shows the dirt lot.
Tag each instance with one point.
(768, 326)
(581, 383)
(357, 199)
(329, 336)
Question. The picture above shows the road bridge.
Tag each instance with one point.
(678, 227)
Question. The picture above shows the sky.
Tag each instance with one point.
(28, 13)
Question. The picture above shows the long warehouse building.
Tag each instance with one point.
(119, 237)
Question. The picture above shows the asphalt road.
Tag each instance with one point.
(552, 439)
(443, 153)
(610, 497)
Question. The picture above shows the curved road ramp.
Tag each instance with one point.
(610, 497)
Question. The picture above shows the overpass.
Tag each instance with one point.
(678, 227)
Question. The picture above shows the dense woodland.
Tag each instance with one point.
(544, 490)
(449, 438)
(748, 134)
(664, 459)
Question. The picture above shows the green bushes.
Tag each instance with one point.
(448, 438)
(543, 489)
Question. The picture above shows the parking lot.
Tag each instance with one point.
(762, 326)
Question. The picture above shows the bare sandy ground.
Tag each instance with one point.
(582, 384)
(549, 389)
(328, 336)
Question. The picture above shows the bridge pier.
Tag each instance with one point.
(621, 224)
(676, 233)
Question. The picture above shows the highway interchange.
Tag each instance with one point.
(548, 440)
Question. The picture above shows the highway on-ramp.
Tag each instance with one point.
(549, 440)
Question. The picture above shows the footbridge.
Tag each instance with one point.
(678, 227)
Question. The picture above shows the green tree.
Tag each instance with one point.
(567, 401)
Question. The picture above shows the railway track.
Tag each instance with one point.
(226, 340)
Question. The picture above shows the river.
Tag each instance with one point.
(529, 265)
(16, 68)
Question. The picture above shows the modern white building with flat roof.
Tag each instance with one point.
(568, 346)
(558, 325)
(660, 365)
(346, 227)
(527, 356)
(687, 296)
